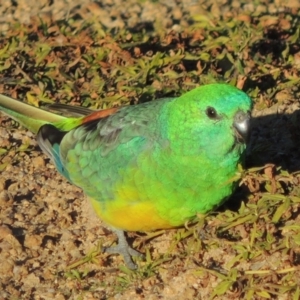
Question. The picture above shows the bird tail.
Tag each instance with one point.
(29, 116)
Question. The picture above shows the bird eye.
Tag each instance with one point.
(211, 113)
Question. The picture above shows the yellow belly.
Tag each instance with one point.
(141, 216)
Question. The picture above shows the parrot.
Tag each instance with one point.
(149, 166)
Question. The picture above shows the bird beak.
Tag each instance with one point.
(241, 125)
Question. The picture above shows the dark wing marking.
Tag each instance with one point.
(49, 139)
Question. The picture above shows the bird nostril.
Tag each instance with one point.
(242, 116)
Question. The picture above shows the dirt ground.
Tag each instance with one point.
(50, 238)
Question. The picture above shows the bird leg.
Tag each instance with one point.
(124, 249)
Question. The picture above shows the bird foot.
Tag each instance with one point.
(124, 249)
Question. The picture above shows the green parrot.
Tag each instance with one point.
(149, 166)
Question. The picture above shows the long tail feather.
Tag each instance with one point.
(76, 111)
(28, 116)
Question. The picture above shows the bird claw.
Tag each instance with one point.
(124, 249)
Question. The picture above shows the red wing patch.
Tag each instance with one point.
(99, 114)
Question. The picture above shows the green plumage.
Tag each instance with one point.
(154, 165)
(166, 154)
